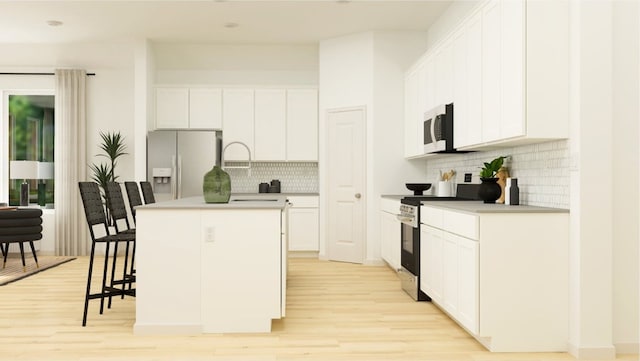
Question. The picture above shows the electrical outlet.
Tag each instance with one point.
(209, 234)
(467, 177)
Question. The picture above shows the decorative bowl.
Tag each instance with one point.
(418, 188)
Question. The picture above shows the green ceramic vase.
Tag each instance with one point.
(216, 186)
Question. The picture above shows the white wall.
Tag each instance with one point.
(345, 80)
(200, 64)
(110, 97)
(367, 69)
(109, 92)
(626, 200)
(393, 54)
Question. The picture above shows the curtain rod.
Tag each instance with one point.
(88, 74)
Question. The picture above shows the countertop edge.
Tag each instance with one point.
(484, 208)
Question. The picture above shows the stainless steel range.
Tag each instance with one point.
(409, 216)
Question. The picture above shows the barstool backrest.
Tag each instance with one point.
(115, 203)
(133, 194)
(147, 192)
(92, 202)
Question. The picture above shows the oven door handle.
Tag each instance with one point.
(404, 219)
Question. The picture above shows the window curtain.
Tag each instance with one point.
(70, 162)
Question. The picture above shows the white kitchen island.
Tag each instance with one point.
(210, 268)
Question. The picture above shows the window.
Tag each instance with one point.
(31, 138)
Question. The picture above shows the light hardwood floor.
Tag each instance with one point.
(335, 311)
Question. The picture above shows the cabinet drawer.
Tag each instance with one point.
(465, 225)
(432, 216)
(390, 205)
(304, 201)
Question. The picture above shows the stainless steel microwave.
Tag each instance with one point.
(438, 129)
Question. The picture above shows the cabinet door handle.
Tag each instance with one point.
(358, 195)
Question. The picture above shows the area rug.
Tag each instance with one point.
(13, 270)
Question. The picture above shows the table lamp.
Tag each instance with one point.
(45, 171)
(23, 169)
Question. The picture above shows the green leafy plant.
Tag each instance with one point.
(113, 147)
(101, 174)
(491, 169)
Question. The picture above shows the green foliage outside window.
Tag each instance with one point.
(31, 137)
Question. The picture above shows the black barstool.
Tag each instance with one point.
(95, 214)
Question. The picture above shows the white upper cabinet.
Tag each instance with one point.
(412, 125)
(270, 124)
(172, 108)
(512, 84)
(302, 125)
(505, 69)
(491, 71)
(185, 108)
(238, 113)
(525, 88)
(444, 74)
(277, 124)
(205, 108)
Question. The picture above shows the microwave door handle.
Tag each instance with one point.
(434, 119)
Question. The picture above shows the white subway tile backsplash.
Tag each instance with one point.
(542, 170)
(295, 177)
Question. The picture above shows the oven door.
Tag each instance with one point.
(410, 251)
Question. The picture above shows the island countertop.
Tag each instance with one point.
(237, 201)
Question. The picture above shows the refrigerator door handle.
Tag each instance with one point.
(173, 177)
(179, 187)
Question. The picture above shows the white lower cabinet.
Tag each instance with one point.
(304, 233)
(390, 232)
(449, 274)
(467, 275)
(499, 274)
(431, 262)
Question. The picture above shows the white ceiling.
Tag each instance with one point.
(260, 22)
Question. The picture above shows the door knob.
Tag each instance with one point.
(358, 195)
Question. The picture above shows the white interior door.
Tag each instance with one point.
(346, 168)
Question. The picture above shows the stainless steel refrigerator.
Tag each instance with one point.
(178, 160)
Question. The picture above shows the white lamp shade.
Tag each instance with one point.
(23, 169)
(45, 170)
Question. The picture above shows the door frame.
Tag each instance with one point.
(324, 182)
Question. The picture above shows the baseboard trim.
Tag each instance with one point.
(627, 348)
(374, 262)
(302, 254)
(592, 353)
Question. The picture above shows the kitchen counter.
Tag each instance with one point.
(236, 201)
(211, 268)
(395, 196)
(480, 207)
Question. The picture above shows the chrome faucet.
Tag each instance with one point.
(248, 167)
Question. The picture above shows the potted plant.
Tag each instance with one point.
(113, 147)
(489, 190)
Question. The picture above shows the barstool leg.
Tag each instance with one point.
(113, 272)
(104, 278)
(124, 270)
(33, 250)
(133, 259)
(86, 297)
